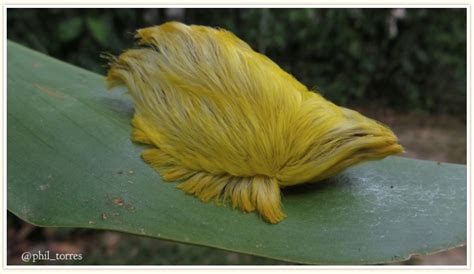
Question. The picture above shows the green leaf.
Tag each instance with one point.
(71, 164)
(69, 29)
(99, 28)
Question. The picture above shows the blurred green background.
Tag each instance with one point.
(404, 67)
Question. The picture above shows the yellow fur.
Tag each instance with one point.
(231, 124)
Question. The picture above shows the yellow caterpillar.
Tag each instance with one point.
(231, 124)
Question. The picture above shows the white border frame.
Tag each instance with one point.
(233, 267)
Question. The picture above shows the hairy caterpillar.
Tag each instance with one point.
(231, 124)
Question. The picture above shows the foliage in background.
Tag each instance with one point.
(407, 59)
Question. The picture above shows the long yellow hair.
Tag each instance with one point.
(231, 124)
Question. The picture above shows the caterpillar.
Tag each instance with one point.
(230, 125)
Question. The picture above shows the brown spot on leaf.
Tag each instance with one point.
(104, 216)
(49, 91)
(118, 201)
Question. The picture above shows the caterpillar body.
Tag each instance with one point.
(230, 124)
